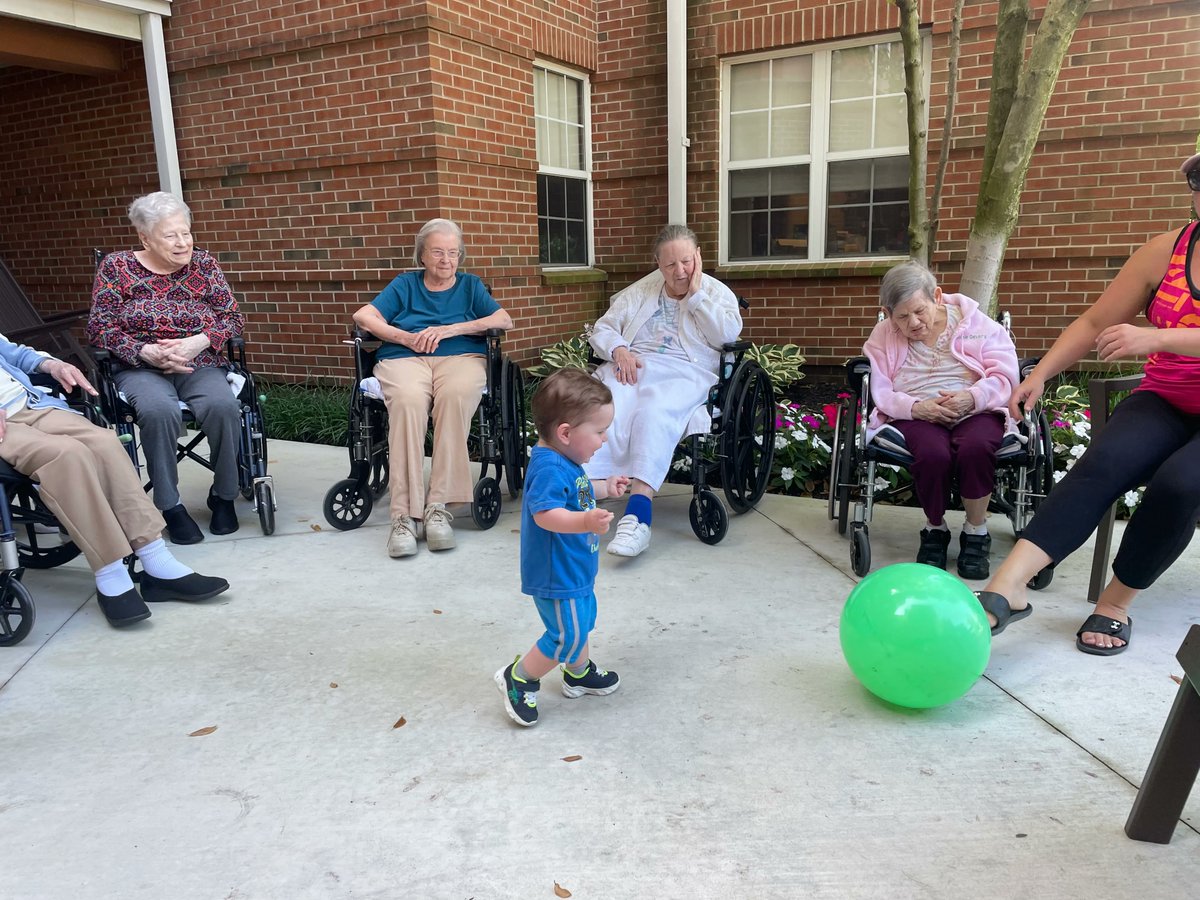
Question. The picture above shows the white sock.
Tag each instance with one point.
(159, 562)
(113, 580)
(942, 527)
(968, 528)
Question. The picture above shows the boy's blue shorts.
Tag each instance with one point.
(568, 624)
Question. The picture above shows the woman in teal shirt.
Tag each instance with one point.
(432, 324)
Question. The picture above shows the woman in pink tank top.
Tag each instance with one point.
(1152, 438)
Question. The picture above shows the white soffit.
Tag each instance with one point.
(115, 18)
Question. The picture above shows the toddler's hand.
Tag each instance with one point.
(617, 485)
(598, 520)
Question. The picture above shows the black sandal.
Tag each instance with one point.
(1097, 624)
(997, 605)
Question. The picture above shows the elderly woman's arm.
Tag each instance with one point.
(105, 328)
(892, 403)
(714, 308)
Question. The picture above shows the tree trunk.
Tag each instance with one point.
(918, 136)
(1003, 181)
(939, 179)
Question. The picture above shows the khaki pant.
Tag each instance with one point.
(87, 480)
(451, 386)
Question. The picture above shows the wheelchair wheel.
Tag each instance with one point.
(748, 439)
(485, 507)
(264, 499)
(16, 611)
(512, 419)
(860, 550)
(36, 550)
(846, 463)
(347, 505)
(380, 476)
(708, 517)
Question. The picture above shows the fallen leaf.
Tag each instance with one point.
(333, 684)
(401, 722)
(515, 530)
(560, 891)
(315, 527)
(201, 732)
(437, 612)
(1177, 679)
(575, 758)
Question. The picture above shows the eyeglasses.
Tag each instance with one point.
(1193, 178)
(445, 254)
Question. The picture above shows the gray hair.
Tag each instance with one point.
(903, 282)
(438, 226)
(674, 233)
(146, 212)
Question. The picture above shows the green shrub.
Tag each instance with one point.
(781, 362)
(316, 414)
(574, 351)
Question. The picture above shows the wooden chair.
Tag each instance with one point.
(1176, 760)
(1101, 392)
(21, 324)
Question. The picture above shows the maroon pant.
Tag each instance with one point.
(965, 453)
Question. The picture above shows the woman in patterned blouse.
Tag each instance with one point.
(165, 312)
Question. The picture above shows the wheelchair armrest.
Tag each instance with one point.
(494, 332)
(361, 334)
(736, 346)
(1100, 394)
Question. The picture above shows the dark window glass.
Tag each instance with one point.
(868, 208)
(562, 221)
(768, 213)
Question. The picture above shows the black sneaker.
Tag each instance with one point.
(594, 680)
(181, 528)
(520, 697)
(224, 515)
(933, 547)
(973, 550)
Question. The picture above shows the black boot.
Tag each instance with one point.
(933, 547)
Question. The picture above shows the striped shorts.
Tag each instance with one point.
(568, 624)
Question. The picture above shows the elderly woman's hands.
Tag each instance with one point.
(945, 409)
(427, 340)
(174, 355)
(67, 375)
(625, 365)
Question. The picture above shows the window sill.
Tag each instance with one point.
(830, 268)
(573, 276)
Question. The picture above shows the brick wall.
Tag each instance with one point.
(315, 138)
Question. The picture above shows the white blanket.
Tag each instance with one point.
(667, 403)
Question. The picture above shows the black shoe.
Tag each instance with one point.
(594, 680)
(224, 516)
(933, 547)
(973, 550)
(123, 609)
(181, 528)
(520, 697)
(190, 587)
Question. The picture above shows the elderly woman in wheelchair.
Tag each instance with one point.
(85, 479)
(662, 336)
(165, 312)
(432, 323)
(942, 373)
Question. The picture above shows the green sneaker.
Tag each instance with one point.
(594, 680)
(520, 697)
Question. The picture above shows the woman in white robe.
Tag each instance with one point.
(662, 337)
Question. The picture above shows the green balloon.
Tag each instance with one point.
(915, 635)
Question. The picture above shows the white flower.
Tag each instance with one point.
(681, 464)
(1082, 428)
(882, 484)
(1060, 449)
(820, 444)
(1131, 499)
(787, 474)
(780, 442)
(799, 435)
(758, 439)
(1069, 464)
(1059, 476)
(1077, 451)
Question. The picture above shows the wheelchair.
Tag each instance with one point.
(497, 442)
(30, 538)
(1024, 468)
(253, 481)
(739, 446)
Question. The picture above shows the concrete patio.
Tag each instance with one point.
(740, 759)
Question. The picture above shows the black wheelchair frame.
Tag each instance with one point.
(30, 538)
(1024, 471)
(740, 445)
(253, 481)
(498, 440)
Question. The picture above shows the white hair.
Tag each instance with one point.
(146, 212)
(438, 226)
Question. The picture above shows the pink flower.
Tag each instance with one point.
(811, 421)
(830, 411)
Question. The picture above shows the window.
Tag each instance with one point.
(560, 108)
(814, 151)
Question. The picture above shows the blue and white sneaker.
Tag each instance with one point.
(520, 697)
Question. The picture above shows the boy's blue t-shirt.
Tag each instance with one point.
(408, 304)
(553, 565)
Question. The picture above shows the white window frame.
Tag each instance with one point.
(584, 174)
(817, 159)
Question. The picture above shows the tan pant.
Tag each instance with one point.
(87, 480)
(452, 386)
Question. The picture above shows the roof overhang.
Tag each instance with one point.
(80, 36)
